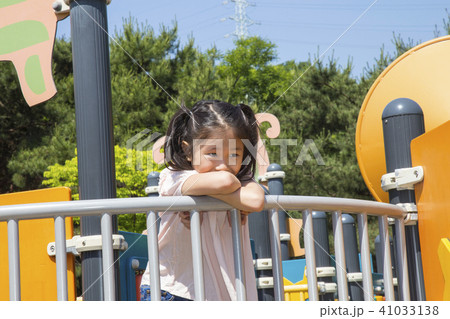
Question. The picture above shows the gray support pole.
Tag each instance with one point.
(153, 256)
(402, 122)
(351, 256)
(93, 111)
(275, 176)
(13, 260)
(259, 232)
(152, 190)
(308, 238)
(341, 273)
(107, 258)
(388, 279)
(153, 222)
(275, 248)
(197, 256)
(365, 257)
(402, 269)
(322, 247)
(61, 258)
(237, 254)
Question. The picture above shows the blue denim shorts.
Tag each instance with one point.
(165, 295)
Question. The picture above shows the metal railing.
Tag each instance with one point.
(108, 207)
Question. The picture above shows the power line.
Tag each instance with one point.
(241, 19)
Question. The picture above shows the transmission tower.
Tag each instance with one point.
(241, 18)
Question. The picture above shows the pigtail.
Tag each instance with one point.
(252, 128)
(175, 155)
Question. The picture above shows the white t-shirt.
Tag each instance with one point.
(175, 250)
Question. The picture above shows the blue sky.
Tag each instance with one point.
(299, 28)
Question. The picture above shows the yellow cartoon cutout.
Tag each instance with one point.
(27, 35)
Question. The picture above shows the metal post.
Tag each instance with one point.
(237, 254)
(322, 247)
(107, 258)
(365, 257)
(341, 273)
(153, 257)
(61, 258)
(402, 122)
(388, 280)
(275, 247)
(402, 269)
(259, 232)
(197, 256)
(351, 256)
(275, 177)
(13, 260)
(308, 238)
(93, 111)
(152, 190)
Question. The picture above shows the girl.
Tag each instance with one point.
(206, 154)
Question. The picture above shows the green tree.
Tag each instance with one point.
(132, 168)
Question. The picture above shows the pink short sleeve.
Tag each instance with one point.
(170, 182)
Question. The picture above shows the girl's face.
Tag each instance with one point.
(221, 151)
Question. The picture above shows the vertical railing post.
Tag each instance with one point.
(310, 257)
(341, 273)
(351, 257)
(197, 256)
(402, 260)
(152, 238)
(275, 176)
(322, 248)
(365, 257)
(13, 260)
(153, 256)
(402, 122)
(388, 279)
(237, 254)
(275, 247)
(61, 258)
(108, 258)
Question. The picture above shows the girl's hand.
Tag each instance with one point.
(243, 217)
(186, 219)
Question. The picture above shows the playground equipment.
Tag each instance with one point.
(417, 78)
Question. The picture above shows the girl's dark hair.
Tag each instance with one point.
(204, 118)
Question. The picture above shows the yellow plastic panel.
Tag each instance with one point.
(432, 151)
(444, 257)
(37, 269)
(421, 74)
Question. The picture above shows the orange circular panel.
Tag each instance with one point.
(422, 74)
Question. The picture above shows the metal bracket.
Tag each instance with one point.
(326, 272)
(327, 287)
(354, 277)
(79, 244)
(285, 237)
(263, 263)
(275, 174)
(264, 282)
(402, 178)
(151, 190)
(61, 7)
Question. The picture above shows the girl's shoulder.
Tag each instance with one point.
(170, 181)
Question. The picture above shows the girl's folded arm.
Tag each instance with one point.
(248, 198)
(210, 183)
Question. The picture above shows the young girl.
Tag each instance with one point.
(206, 154)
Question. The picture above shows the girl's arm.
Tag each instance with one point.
(211, 183)
(248, 198)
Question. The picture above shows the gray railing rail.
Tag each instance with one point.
(108, 207)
